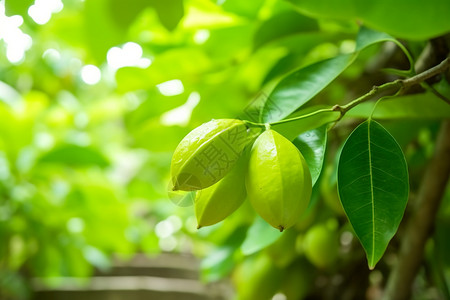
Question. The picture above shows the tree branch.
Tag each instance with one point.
(443, 66)
(399, 84)
(421, 223)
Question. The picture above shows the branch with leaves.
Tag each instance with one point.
(399, 86)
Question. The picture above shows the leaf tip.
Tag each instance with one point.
(372, 263)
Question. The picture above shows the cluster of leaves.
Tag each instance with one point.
(84, 168)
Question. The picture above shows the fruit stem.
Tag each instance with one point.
(254, 124)
(268, 125)
(302, 116)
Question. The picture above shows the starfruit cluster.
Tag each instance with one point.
(227, 161)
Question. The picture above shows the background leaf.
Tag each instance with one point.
(14, 7)
(413, 106)
(75, 155)
(100, 30)
(399, 18)
(373, 186)
(281, 25)
(169, 12)
(259, 236)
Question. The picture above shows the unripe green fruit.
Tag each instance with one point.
(257, 278)
(208, 153)
(278, 180)
(321, 244)
(220, 200)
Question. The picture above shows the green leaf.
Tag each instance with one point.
(100, 31)
(124, 12)
(443, 87)
(312, 145)
(220, 262)
(367, 37)
(413, 106)
(75, 155)
(259, 236)
(247, 9)
(151, 134)
(398, 18)
(407, 19)
(15, 7)
(169, 12)
(373, 186)
(171, 64)
(302, 85)
(153, 107)
(299, 87)
(281, 25)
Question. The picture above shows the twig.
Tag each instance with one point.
(444, 65)
(399, 84)
(421, 223)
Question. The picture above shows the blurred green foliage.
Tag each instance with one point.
(95, 95)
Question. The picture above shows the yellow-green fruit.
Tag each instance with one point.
(278, 180)
(321, 244)
(208, 153)
(220, 200)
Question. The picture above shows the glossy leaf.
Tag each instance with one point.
(373, 186)
(302, 85)
(299, 45)
(312, 145)
(367, 37)
(299, 87)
